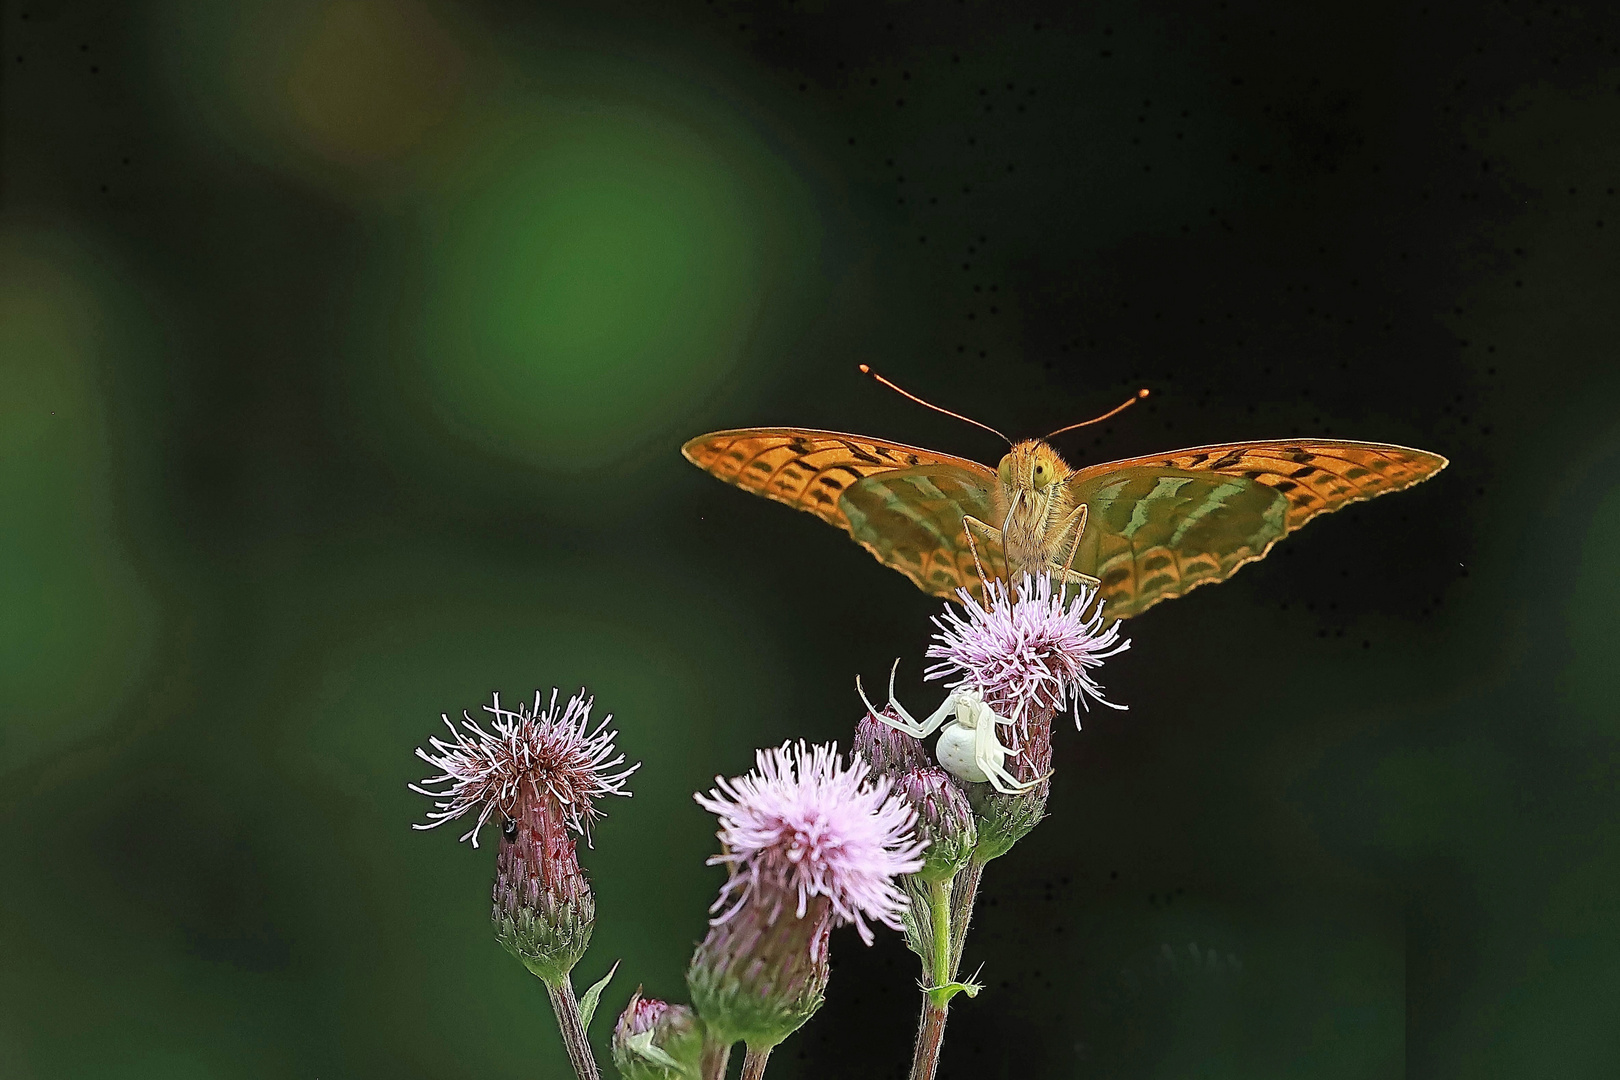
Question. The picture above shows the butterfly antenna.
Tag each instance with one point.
(1115, 411)
(865, 370)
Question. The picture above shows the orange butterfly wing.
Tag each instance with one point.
(1163, 524)
(902, 503)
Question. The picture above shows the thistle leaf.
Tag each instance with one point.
(588, 1000)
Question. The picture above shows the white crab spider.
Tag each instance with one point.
(968, 743)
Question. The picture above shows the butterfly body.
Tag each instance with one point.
(1145, 529)
(1034, 516)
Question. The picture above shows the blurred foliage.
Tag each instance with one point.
(76, 616)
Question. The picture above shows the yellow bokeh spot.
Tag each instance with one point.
(368, 78)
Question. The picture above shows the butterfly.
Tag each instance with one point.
(1139, 531)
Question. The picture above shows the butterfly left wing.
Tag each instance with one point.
(1161, 525)
(902, 503)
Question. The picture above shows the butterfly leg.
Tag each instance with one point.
(969, 523)
(908, 723)
(1074, 577)
(1065, 573)
(987, 532)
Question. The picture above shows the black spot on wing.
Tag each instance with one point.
(1158, 584)
(860, 454)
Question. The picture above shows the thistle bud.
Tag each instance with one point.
(889, 752)
(944, 817)
(543, 911)
(760, 974)
(1004, 819)
(809, 844)
(657, 1041)
(541, 771)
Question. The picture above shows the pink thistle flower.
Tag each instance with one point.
(1031, 651)
(553, 756)
(802, 826)
(543, 769)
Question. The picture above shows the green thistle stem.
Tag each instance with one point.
(966, 891)
(940, 905)
(572, 1027)
(936, 1000)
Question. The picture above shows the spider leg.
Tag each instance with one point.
(990, 755)
(907, 723)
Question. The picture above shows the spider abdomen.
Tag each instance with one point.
(956, 752)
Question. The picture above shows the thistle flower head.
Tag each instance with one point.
(803, 825)
(549, 754)
(1032, 649)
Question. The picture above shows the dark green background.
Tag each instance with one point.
(345, 348)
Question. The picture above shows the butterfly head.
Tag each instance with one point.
(1032, 465)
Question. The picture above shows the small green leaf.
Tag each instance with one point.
(588, 1000)
(941, 995)
(643, 1045)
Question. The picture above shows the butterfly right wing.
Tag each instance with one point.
(902, 503)
(1164, 524)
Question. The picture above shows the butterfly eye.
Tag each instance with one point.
(1042, 475)
(1004, 471)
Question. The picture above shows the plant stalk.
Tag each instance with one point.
(754, 1063)
(962, 898)
(930, 1036)
(936, 1000)
(572, 1027)
(939, 899)
(950, 911)
(715, 1059)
